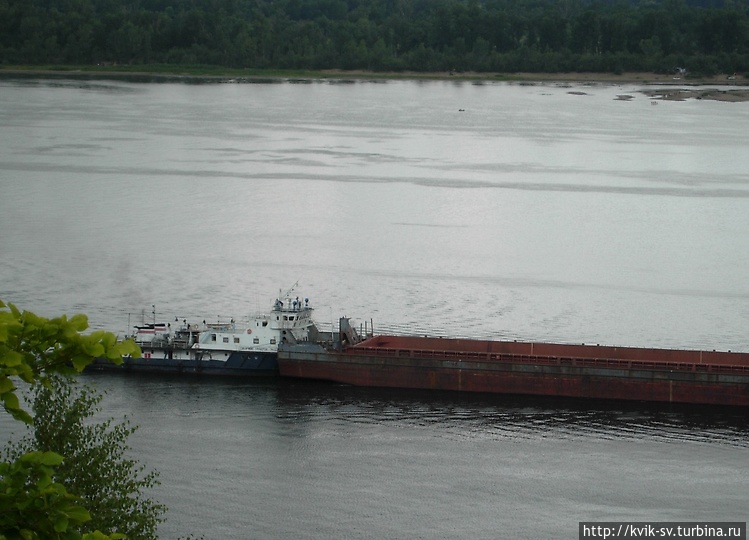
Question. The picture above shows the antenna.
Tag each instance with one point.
(294, 286)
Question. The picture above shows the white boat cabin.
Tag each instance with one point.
(288, 321)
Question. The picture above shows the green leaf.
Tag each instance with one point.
(108, 340)
(116, 359)
(78, 322)
(21, 415)
(12, 359)
(13, 406)
(96, 350)
(128, 347)
(61, 524)
(26, 373)
(10, 400)
(80, 361)
(123, 348)
(78, 514)
(50, 459)
(6, 385)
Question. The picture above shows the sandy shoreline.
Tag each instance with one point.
(736, 96)
(634, 77)
(670, 88)
(717, 88)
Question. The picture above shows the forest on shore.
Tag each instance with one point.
(706, 37)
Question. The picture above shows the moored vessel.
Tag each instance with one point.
(222, 348)
(511, 367)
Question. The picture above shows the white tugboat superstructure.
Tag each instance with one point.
(224, 348)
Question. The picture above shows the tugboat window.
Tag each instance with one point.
(226, 340)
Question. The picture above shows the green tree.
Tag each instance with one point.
(422, 35)
(34, 506)
(33, 502)
(95, 468)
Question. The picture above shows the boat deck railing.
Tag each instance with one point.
(610, 363)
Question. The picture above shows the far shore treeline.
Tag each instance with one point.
(707, 37)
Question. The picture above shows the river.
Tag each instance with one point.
(556, 212)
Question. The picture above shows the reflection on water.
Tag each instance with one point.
(462, 415)
(495, 417)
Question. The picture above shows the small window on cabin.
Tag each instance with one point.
(226, 340)
(256, 341)
(273, 341)
(213, 337)
(291, 318)
(285, 318)
(236, 340)
(265, 323)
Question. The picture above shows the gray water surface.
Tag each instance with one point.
(546, 212)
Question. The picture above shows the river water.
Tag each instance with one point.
(549, 212)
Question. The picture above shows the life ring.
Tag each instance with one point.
(249, 330)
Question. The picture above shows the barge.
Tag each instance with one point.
(511, 367)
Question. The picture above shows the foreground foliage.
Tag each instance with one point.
(95, 468)
(34, 503)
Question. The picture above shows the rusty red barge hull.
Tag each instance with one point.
(509, 367)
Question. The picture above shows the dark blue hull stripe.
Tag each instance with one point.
(244, 363)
